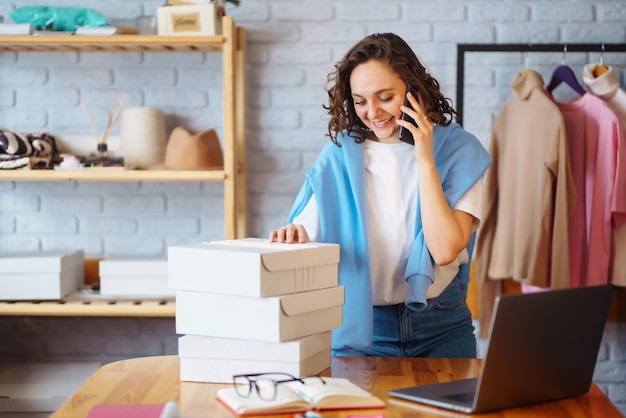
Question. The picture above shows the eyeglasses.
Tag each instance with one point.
(265, 384)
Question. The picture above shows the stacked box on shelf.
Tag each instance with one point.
(41, 276)
(135, 278)
(249, 306)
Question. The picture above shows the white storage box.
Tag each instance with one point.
(41, 276)
(253, 267)
(190, 20)
(198, 346)
(135, 278)
(222, 371)
(276, 319)
(212, 359)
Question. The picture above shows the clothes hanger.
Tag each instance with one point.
(526, 68)
(527, 59)
(600, 68)
(564, 73)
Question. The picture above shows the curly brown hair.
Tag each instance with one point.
(390, 48)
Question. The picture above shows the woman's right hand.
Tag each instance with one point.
(290, 234)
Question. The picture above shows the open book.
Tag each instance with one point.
(337, 393)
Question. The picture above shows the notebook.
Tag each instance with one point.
(542, 347)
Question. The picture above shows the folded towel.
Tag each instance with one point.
(26, 150)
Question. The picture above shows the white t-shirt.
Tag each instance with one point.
(391, 182)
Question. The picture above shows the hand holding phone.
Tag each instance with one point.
(405, 135)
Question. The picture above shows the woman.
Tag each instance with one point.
(404, 215)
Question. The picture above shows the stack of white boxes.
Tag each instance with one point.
(249, 306)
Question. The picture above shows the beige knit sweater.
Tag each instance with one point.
(528, 197)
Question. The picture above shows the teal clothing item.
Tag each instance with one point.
(337, 181)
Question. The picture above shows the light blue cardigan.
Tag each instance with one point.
(337, 180)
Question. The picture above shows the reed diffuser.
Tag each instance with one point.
(102, 158)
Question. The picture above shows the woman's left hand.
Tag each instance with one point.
(289, 234)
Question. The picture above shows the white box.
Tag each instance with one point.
(190, 20)
(276, 319)
(133, 267)
(41, 276)
(222, 371)
(198, 346)
(253, 267)
(134, 278)
(136, 287)
(220, 358)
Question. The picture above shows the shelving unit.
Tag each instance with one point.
(232, 45)
(126, 308)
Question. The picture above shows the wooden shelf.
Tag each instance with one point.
(232, 47)
(113, 175)
(111, 43)
(126, 308)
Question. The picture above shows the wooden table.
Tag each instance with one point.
(151, 380)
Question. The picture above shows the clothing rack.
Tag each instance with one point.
(462, 49)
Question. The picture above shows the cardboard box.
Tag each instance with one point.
(41, 276)
(133, 267)
(276, 319)
(135, 278)
(222, 371)
(136, 287)
(253, 267)
(190, 20)
(218, 359)
(197, 346)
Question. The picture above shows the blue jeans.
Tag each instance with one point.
(443, 329)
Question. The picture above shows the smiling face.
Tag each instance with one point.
(378, 92)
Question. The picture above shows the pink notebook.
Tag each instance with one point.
(167, 410)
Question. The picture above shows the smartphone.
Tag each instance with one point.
(405, 135)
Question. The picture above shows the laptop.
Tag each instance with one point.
(542, 347)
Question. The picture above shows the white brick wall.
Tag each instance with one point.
(610, 373)
(292, 45)
(58, 339)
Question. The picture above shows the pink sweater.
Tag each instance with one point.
(594, 136)
(607, 88)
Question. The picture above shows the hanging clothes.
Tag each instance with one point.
(605, 85)
(528, 197)
(593, 135)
